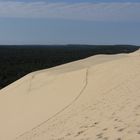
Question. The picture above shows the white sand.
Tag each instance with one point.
(94, 98)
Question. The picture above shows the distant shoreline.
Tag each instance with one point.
(67, 45)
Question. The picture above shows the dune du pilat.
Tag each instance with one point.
(93, 98)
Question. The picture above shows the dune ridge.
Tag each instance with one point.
(75, 100)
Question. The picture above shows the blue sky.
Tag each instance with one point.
(70, 22)
(76, 0)
(93, 0)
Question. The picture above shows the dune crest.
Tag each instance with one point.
(136, 53)
(93, 98)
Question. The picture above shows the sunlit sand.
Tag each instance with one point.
(89, 99)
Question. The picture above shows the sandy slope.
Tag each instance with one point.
(94, 98)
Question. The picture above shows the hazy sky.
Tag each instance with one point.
(70, 22)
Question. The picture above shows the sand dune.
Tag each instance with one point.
(94, 98)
